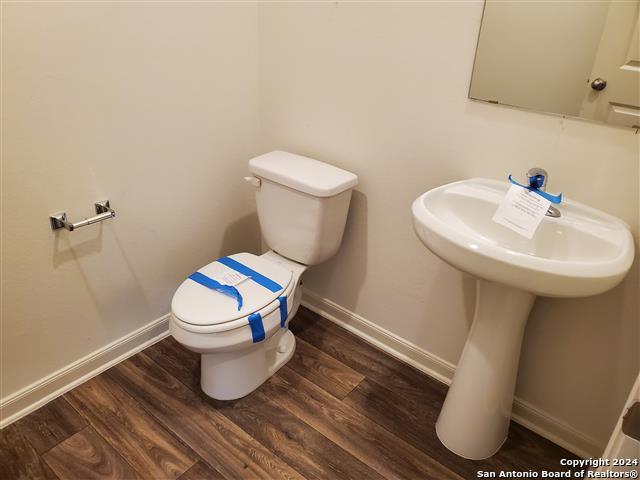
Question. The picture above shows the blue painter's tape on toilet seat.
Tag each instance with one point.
(283, 311)
(252, 274)
(208, 282)
(257, 327)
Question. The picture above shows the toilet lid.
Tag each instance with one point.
(198, 305)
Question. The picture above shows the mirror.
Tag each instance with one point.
(577, 58)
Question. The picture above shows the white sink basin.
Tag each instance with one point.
(583, 252)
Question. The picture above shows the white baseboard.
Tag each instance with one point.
(524, 413)
(46, 389)
(33, 396)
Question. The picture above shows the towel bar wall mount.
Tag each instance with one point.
(103, 212)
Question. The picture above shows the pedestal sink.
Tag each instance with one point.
(583, 252)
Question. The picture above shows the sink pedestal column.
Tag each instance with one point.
(474, 420)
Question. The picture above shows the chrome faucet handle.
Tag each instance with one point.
(537, 181)
(537, 177)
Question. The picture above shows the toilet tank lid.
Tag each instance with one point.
(302, 173)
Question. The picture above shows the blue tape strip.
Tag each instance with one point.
(283, 311)
(257, 327)
(255, 276)
(227, 290)
(534, 185)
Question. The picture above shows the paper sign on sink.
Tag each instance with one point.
(521, 210)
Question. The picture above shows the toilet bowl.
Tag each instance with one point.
(237, 357)
(235, 311)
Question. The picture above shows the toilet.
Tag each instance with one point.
(235, 311)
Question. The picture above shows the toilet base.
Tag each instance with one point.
(231, 375)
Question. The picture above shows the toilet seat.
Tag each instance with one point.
(199, 309)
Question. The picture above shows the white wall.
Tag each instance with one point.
(381, 89)
(153, 106)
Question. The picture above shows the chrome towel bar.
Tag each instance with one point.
(103, 212)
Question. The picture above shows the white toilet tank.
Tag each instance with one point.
(302, 205)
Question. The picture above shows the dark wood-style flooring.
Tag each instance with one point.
(340, 409)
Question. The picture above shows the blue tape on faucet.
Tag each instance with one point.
(535, 183)
(283, 311)
(255, 276)
(257, 327)
(228, 290)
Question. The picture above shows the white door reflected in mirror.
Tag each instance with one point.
(579, 58)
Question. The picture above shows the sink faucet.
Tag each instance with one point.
(538, 177)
